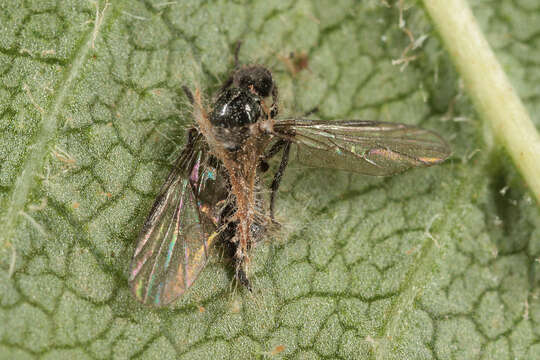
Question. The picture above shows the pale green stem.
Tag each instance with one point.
(486, 83)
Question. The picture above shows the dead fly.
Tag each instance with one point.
(214, 192)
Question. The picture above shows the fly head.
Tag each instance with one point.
(241, 104)
(256, 78)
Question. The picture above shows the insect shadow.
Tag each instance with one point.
(214, 193)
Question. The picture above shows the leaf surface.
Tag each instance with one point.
(436, 263)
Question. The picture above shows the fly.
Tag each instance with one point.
(213, 193)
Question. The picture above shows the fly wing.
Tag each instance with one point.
(174, 242)
(366, 147)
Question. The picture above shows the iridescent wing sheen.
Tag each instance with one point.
(176, 237)
(366, 147)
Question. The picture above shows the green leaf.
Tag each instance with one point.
(437, 263)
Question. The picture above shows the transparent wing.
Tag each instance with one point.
(174, 243)
(366, 147)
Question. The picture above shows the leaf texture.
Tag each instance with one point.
(437, 263)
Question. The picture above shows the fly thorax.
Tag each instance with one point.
(234, 112)
(236, 107)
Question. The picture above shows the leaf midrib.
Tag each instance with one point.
(415, 281)
(38, 151)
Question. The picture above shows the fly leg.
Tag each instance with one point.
(189, 94)
(277, 177)
(242, 277)
(230, 246)
(280, 144)
(274, 107)
(263, 164)
(239, 261)
(192, 133)
(236, 52)
(284, 145)
(230, 79)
